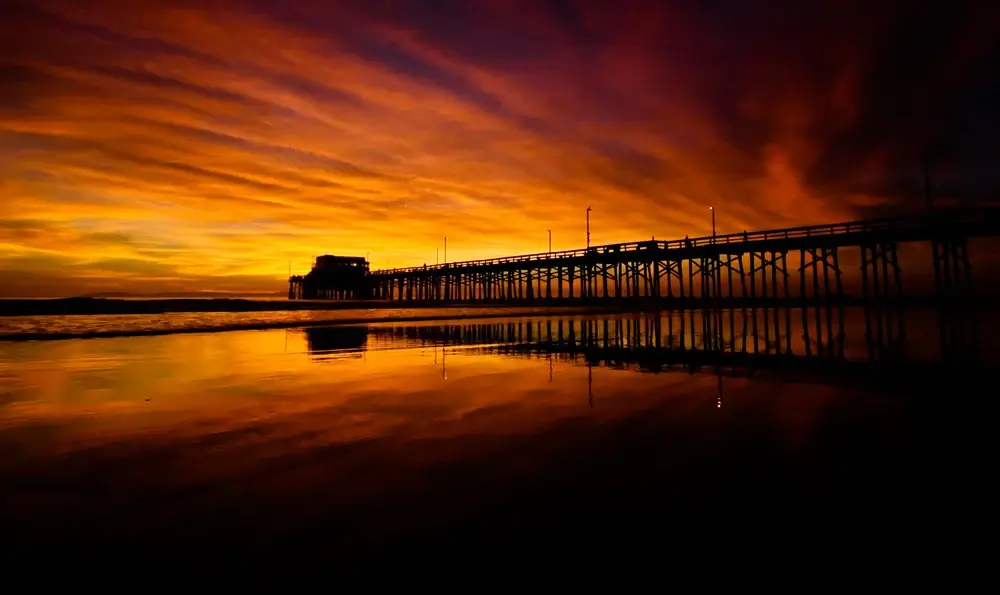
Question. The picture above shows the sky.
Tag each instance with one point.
(157, 146)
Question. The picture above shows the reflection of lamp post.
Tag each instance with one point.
(590, 386)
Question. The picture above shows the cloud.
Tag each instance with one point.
(201, 142)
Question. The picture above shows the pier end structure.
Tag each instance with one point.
(332, 278)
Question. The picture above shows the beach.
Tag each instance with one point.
(362, 444)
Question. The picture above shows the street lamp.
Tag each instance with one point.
(588, 227)
(550, 241)
(446, 249)
(713, 223)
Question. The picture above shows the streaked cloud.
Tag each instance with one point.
(204, 145)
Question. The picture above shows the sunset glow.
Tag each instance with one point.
(208, 145)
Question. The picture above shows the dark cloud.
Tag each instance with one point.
(206, 140)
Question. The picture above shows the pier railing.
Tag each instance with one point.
(928, 223)
(744, 268)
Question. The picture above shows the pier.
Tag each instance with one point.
(796, 266)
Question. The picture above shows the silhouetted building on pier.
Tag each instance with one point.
(333, 278)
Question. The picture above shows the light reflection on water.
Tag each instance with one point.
(14, 327)
(315, 422)
(136, 383)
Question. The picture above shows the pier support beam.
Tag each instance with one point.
(881, 290)
(958, 328)
(826, 294)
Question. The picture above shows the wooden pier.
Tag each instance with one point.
(793, 267)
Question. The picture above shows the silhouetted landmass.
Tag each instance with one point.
(185, 294)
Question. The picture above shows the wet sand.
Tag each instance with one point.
(264, 453)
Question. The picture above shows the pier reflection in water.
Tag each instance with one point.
(346, 445)
(810, 341)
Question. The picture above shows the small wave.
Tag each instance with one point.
(177, 324)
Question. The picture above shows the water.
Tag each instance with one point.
(108, 325)
(357, 444)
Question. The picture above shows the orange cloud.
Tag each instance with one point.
(205, 145)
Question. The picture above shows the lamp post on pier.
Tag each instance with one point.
(588, 227)
(713, 223)
(446, 249)
(550, 241)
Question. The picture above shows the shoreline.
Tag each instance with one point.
(116, 306)
(554, 311)
(92, 306)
